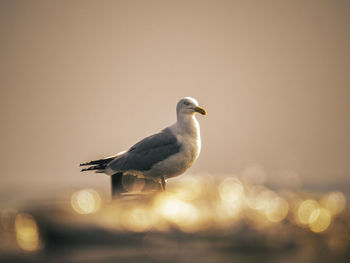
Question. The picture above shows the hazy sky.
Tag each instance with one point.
(86, 79)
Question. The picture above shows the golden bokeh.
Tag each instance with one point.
(27, 234)
(232, 199)
(259, 197)
(228, 204)
(183, 214)
(231, 190)
(189, 188)
(277, 209)
(321, 222)
(139, 219)
(225, 210)
(86, 201)
(192, 206)
(335, 202)
(307, 211)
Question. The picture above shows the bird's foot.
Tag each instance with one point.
(163, 184)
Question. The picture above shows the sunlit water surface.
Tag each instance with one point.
(212, 219)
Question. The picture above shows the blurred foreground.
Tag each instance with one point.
(199, 219)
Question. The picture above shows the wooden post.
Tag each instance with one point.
(118, 188)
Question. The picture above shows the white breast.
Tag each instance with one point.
(190, 141)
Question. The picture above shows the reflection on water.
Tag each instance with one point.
(334, 202)
(27, 234)
(86, 201)
(180, 213)
(277, 209)
(307, 212)
(322, 221)
(226, 217)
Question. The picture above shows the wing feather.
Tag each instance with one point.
(146, 153)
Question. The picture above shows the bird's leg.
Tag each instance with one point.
(117, 186)
(163, 184)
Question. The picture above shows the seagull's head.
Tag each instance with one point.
(189, 106)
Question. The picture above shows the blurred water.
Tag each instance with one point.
(200, 218)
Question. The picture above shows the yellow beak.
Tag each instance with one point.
(200, 110)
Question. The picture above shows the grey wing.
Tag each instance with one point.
(146, 153)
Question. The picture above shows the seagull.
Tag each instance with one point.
(163, 155)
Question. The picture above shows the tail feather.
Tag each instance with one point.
(94, 168)
(97, 165)
(99, 161)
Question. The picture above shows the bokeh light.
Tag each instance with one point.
(27, 234)
(189, 188)
(181, 213)
(321, 222)
(335, 202)
(139, 219)
(231, 190)
(259, 197)
(194, 206)
(86, 201)
(232, 197)
(227, 205)
(277, 209)
(307, 211)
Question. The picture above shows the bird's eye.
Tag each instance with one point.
(186, 103)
